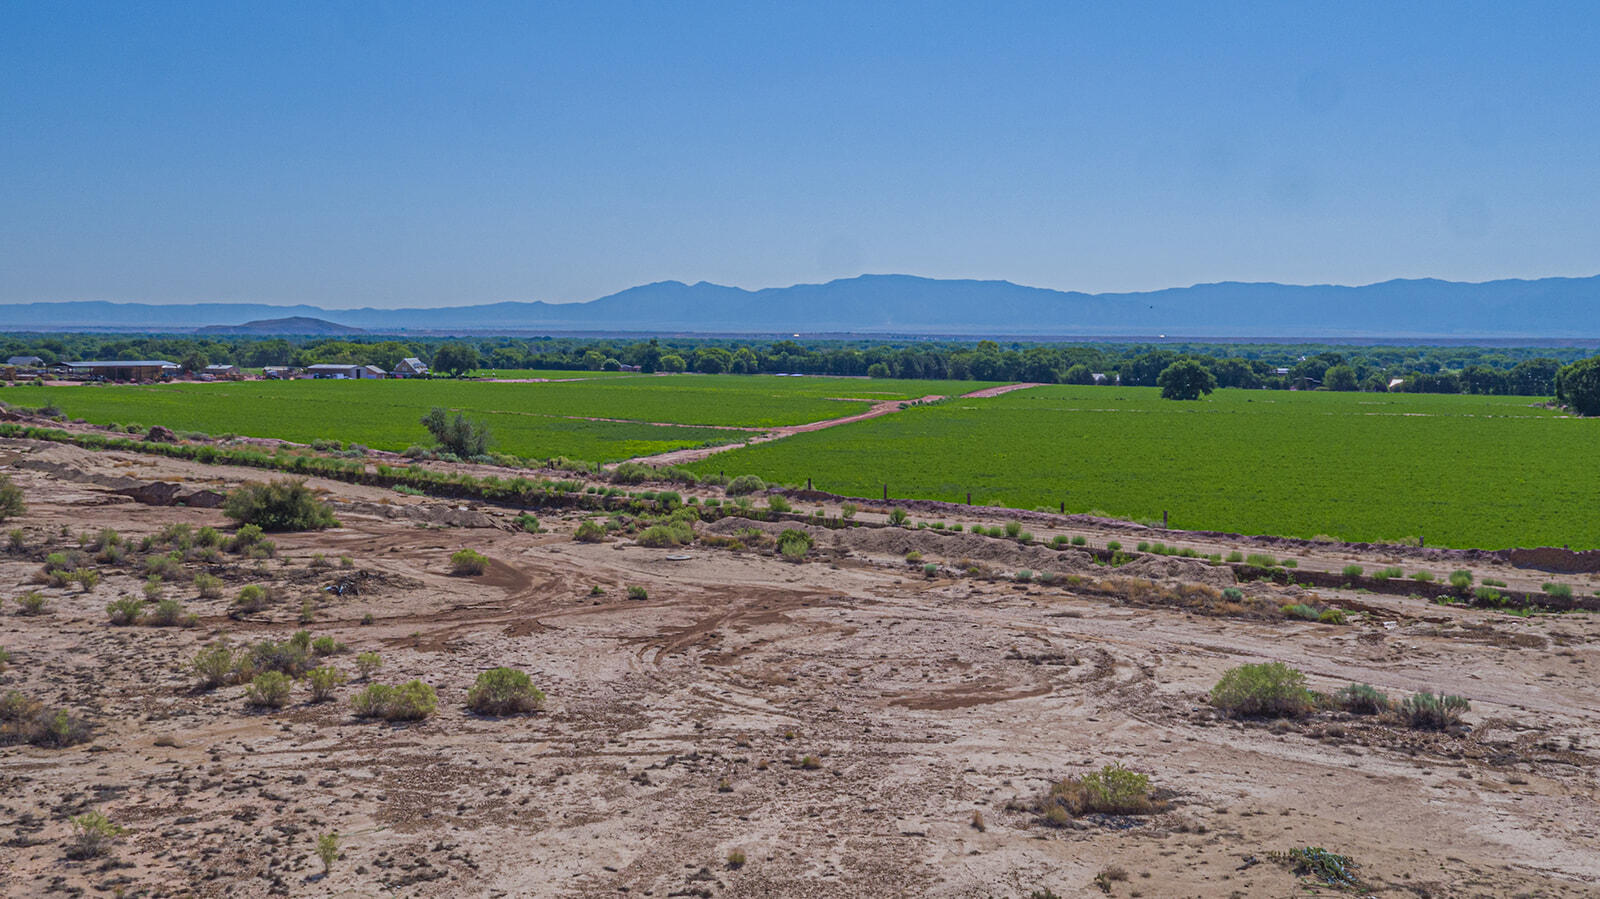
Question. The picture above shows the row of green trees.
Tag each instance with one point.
(1426, 369)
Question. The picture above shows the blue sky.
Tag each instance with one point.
(450, 153)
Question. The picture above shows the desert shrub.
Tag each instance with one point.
(410, 701)
(744, 484)
(1265, 689)
(793, 544)
(1025, 537)
(326, 646)
(328, 851)
(1080, 540)
(245, 537)
(457, 434)
(1361, 699)
(5, 660)
(1488, 596)
(778, 504)
(170, 613)
(1388, 574)
(1013, 528)
(1422, 577)
(1562, 590)
(848, 511)
(269, 689)
(527, 523)
(1429, 712)
(913, 557)
(1313, 861)
(93, 835)
(1144, 546)
(1236, 556)
(208, 536)
(468, 562)
(11, 504)
(630, 473)
(930, 570)
(164, 565)
(1024, 576)
(898, 516)
(290, 657)
(1331, 616)
(737, 859)
(589, 531)
(251, 599)
(32, 603)
(85, 578)
(1261, 560)
(670, 534)
(285, 504)
(1113, 790)
(209, 586)
(1461, 579)
(367, 663)
(126, 611)
(1233, 594)
(637, 592)
(504, 691)
(16, 540)
(323, 682)
(214, 665)
(1354, 570)
(1301, 611)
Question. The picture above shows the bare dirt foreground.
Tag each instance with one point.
(853, 727)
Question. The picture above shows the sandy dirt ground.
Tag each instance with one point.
(852, 726)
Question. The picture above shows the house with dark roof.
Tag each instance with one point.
(410, 367)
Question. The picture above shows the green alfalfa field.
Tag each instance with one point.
(601, 419)
(1457, 471)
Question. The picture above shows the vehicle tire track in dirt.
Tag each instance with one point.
(885, 407)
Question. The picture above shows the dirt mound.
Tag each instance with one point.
(425, 513)
(151, 493)
(1547, 558)
(1188, 571)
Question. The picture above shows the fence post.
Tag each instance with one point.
(1063, 507)
(808, 483)
(1163, 519)
(969, 497)
(885, 492)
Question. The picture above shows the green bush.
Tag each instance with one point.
(1080, 541)
(1113, 790)
(1429, 712)
(778, 504)
(410, 701)
(794, 544)
(269, 689)
(527, 523)
(590, 531)
(208, 586)
(1353, 571)
(675, 533)
(324, 681)
(1361, 699)
(326, 646)
(1301, 611)
(11, 504)
(1265, 689)
(1013, 528)
(170, 613)
(93, 835)
(1261, 560)
(1024, 576)
(1563, 591)
(251, 599)
(898, 516)
(848, 511)
(126, 611)
(291, 657)
(744, 484)
(457, 434)
(285, 504)
(1461, 579)
(32, 603)
(368, 663)
(504, 691)
(1388, 574)
(930, 570)
(637, 592)
(468, 562)
(1424, 577)
(1331, 616)
(214, 665)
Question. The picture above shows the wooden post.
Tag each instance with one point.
(808, 483)
(1163, 519)
(885, 492)
(1063, 507)
(969, 497)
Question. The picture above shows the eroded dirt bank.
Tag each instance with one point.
(839, 721)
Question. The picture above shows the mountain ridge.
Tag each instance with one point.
(1555, 307)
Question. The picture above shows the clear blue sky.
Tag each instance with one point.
(449, 152)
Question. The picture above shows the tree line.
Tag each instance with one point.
(1423, 369)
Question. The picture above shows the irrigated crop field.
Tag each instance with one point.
(1463, 471)
(531, 420)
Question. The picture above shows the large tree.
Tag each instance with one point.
(455, 359)
(1578, 386)
(1185, 379)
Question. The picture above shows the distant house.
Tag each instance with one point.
(220, 370)
(326, 371)
(1281, 372)
(626, 367)
(25, 362)
(278, 372)
(123, 370)
(1395, 383)
(1099, 377)
(373, 371)
(410, 367)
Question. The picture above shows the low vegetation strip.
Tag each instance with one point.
(1457, 471)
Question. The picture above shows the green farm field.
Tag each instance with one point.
(530, 420)
(1459, 471)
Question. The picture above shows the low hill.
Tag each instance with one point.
(295, 326)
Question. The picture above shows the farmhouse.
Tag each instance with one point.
(411, 367)
(123, 370)
(219, 370)
(373, 371)
(324, 371)
(25, 362)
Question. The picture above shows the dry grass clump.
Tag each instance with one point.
(26, 720)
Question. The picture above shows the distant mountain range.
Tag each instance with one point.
(294, 326)
(1545, 308)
